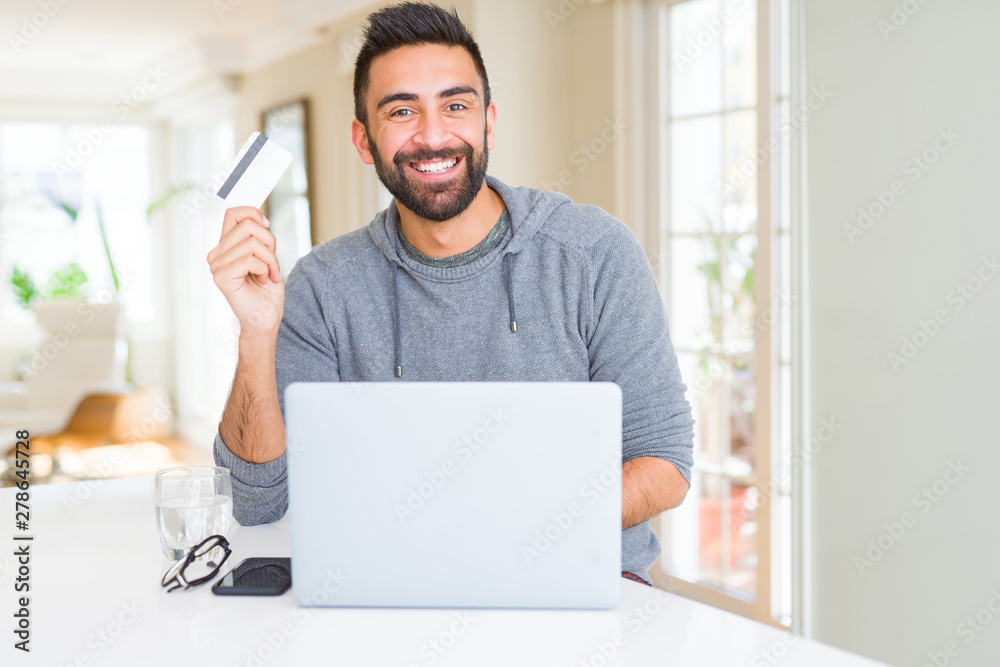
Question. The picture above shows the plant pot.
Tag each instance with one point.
(77, 318)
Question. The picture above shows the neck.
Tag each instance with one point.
(456, 235)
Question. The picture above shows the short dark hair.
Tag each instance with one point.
(410, 24)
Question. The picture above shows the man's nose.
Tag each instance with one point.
(431, 132)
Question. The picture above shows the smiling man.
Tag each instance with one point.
(461, 278)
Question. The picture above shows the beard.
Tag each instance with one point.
(436, 201)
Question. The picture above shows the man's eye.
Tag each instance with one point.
(400, 112)
(455, 106)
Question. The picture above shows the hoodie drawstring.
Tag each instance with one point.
(395, 299)
(510, 291)
(508, 269)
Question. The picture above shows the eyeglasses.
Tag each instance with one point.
(197, 567)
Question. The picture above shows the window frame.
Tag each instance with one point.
(651, 97)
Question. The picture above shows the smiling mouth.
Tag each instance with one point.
(436, 166)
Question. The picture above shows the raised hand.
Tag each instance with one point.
(246, 271)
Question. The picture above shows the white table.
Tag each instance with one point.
(96, 599)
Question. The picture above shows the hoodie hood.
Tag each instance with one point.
(529, 208)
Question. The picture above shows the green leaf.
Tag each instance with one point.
(66, 283)
(70, 211)
(23, 287)
(107, 248)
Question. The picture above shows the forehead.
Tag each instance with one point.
(424, 69)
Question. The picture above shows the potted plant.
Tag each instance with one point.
(61, 303)
(83, 337)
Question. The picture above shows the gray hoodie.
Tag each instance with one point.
(568, 295)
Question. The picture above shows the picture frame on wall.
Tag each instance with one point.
(289, 207)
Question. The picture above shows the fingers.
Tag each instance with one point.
(239, 270)
(237, 214)
(233, 259)
(246, 228)
(249, 247)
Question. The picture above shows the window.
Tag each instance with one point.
(45, 167)
(205, 330)
(723, 209)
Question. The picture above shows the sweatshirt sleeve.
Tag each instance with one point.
(629, 344)
(305, 352)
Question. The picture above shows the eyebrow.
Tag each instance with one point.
(458, 90)
(413, 97)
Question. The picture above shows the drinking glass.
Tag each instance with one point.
(191, 504)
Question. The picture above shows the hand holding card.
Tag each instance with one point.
(243, 264)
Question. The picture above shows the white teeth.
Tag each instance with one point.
(436, 167)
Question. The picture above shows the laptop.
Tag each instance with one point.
(467, 494)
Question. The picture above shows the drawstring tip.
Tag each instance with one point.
(399, 371)
(513, 326)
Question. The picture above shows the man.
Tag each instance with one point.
(462, 278)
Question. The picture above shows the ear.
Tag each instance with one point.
(491, 119)
(359, 137)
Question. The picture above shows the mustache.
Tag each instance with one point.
(427, 155)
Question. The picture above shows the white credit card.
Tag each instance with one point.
(259, 166)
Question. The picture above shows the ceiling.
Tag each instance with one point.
(98, 50)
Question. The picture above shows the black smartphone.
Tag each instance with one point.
(256, 576)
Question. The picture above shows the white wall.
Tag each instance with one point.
(901, 429)
(528, 63)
